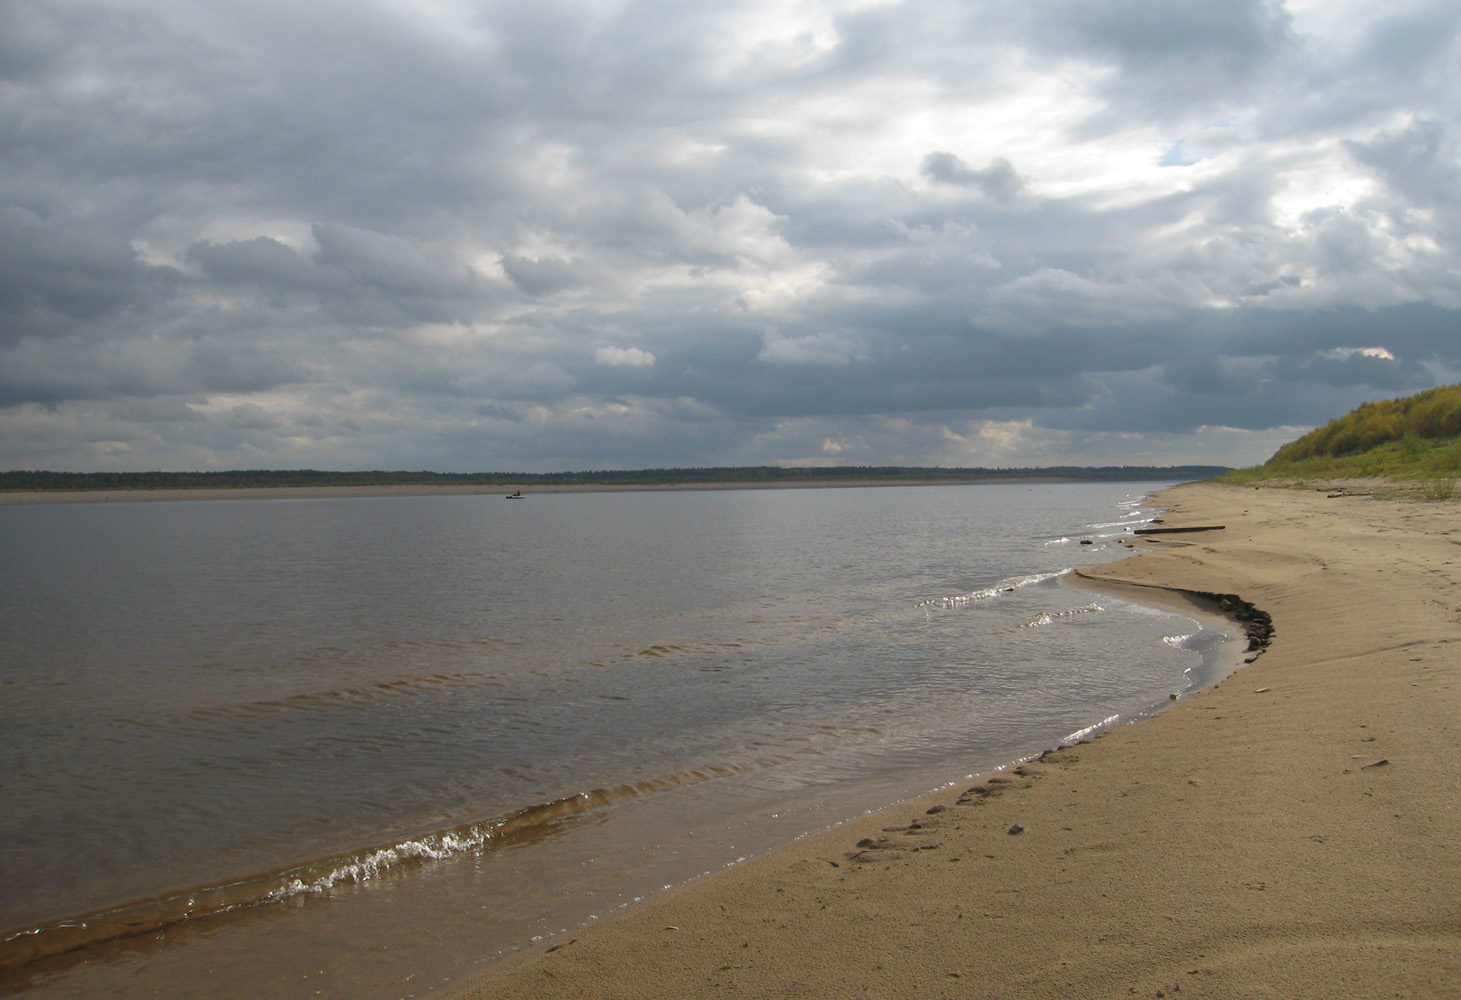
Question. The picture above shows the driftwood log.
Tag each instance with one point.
(1177, 531)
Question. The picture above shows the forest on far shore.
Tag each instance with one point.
(770, 475)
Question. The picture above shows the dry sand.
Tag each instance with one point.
(1292, 833)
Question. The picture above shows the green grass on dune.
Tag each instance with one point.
(1430, 416)
(1415, 438)
(1412, 458)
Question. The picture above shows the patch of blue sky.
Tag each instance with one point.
(1176, 156)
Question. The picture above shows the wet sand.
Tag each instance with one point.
(1293, 832)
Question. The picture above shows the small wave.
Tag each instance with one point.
(1004, 587)
(1122, 525)
(362, 696)
(1047, 617)
(526, 825)
(657, 651)
(1081, 734)
(1178, 641)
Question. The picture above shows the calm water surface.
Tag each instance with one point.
(379, 740)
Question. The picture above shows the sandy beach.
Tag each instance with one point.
(1292, 832)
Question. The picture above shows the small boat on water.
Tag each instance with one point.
(517, 495)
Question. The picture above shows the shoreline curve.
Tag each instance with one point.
(1289, 832)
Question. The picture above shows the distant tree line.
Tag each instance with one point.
(255, 478)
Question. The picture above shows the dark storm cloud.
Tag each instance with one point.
(262, 262)
(59, 274)
(573, 234)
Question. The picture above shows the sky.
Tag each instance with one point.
(471, 235)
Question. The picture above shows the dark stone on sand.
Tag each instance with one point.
(1016, 829)
(934, 811)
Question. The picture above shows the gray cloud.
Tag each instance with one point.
(541, 277)
(568, 235)
(998, 181)
(1214, 43)
(261, 262)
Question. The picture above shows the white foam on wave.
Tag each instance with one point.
(1101, 531)
(1003, 587)
(375, 863)
(1081, 734)
(1048, 617)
